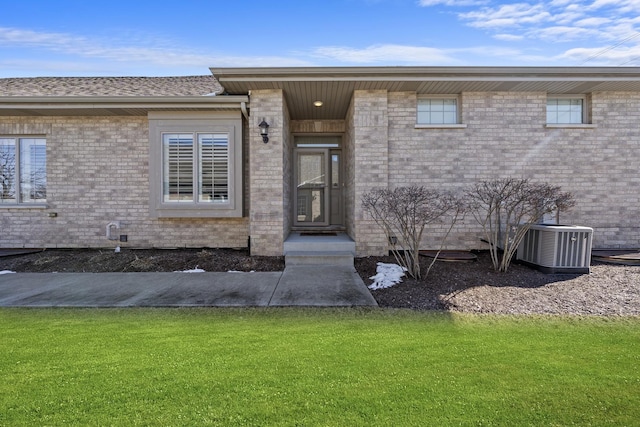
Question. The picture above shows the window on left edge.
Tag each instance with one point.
(23, 170)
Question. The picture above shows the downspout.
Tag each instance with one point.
(243, 108)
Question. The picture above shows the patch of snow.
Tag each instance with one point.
(195, 270)
(388, 275)
(7, 272)
(238, 271)
(117, 249)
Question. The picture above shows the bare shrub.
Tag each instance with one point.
(506, 209)
(403, 214)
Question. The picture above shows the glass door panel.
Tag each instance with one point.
(337, 207)
(311, 187)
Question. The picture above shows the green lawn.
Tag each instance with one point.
(315, 367)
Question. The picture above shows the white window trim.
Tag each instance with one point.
(586, 112)
(161, 123)
(570, 126)
(457, 125)
(442, 126)
(20, 204)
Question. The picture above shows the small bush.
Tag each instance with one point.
(403, 214)
(506, 209)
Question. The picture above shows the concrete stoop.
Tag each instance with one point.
(301, 249)
(318, 258)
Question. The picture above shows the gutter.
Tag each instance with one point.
(422, 73)
(90, 102)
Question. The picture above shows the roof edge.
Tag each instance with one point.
(400, 72)
(129, 100)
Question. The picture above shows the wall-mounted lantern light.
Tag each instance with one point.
(264, 131)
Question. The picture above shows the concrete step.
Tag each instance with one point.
(343, 258)
(340, 243)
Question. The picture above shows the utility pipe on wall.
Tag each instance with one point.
(114, 225)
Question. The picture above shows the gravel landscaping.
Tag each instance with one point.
(609, 289)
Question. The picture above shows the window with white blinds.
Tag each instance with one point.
(213, 181)
(196, 167)
(195, 164)
(23, 170)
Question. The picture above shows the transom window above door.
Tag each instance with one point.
(318, 141)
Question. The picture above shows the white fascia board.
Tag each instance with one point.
(428, 73)
(84, 102)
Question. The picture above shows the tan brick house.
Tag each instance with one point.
(181, 162)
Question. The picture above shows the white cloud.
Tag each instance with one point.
(112, 50)
(558, 21)
(118, 56)
(602, 55)
(564, 33)
(529, 16)
(413, 55)
(508, 37)
(623, 6)
(428, 3)
(567, 16)
(488, 51)
(592, 22)
(388, 53)
(507, 15)
(16, 36)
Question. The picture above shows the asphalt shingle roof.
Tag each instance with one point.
(109, 86)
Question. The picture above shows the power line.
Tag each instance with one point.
(631, 60)
(603, 51)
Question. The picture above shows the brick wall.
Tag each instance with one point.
(368, 152)
(267, 174)
(506, 137)
(287, 174)
(348, 156)
(98, 172)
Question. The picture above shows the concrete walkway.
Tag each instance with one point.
(320, 286)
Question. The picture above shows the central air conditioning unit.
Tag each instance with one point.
(557, 248)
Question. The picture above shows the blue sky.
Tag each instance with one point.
(156, 38)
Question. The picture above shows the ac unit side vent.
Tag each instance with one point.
(557, 249)
(530, 246)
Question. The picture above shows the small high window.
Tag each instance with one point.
(23, 170)
(438, 111)
(565, 110)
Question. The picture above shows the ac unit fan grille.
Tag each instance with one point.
(571, 250)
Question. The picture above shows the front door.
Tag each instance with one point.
(317, 187)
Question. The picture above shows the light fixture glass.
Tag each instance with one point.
(318, 103)
(264, 131)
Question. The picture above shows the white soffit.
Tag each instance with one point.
(334, 85)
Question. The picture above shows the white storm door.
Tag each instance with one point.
(311, 187)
